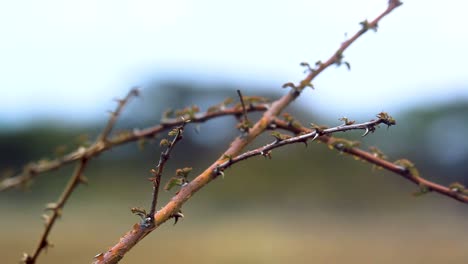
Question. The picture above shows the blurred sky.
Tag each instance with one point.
(70, 58)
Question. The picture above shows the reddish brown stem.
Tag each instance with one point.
(33, 170)
(385, 164)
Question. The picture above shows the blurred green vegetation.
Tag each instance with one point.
(305, 205)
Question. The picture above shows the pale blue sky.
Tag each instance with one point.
(68, 59)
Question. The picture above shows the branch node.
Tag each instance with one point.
(148, 222)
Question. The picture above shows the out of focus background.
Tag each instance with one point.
(62, 63)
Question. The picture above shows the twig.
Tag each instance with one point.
(131, 238)
(337, 57)
(245, 124)
(243, 105)
(76, 179)
(156, 179)
(385, 164)
(33, 170)
(282, 140)
(56, 209)
(114, 115)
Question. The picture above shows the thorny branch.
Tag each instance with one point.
(138, 232)
(401, 167)
(114, 115)
(303, 137)
(337, 57)
(156, 179)
(31, 171)
(56, 209)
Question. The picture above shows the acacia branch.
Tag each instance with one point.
(303, 137)
(33, 170)
(56, 209)
(114, 115)
(74, 181)
(139, 231)
(156, 179)
(454, 191)
(337, 57)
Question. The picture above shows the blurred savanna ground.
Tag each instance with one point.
(306, 205)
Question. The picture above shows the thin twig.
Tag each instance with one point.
(35, 169)
(244, 123)
(303, 138)
(138, 232)
(75, 180)
(243, 104)
(156, 179)
(337, 57)
(385, 164)
(114, 115)
(56, 209)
